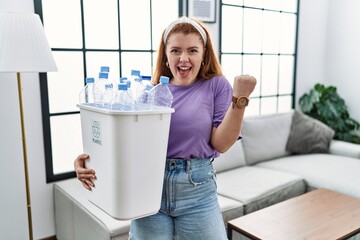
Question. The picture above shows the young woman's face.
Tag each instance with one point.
(185, 55)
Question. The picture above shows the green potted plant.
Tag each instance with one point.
(323, 103)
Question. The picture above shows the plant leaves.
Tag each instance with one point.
(307, 101)
(324, 103)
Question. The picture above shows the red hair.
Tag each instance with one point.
(210, 67)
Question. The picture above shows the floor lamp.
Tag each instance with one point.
(24, 48)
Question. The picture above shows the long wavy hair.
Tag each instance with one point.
(211, 66)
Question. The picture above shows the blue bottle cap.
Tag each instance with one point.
(164, 80)
(146, 78)
(122, 86)
(123, 79)
(90, 80)
(103, 75)
(135, 73)
(104, 69)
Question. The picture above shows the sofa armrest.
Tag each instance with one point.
(343, 148)
(77, 218)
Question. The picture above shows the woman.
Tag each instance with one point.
(207, 121)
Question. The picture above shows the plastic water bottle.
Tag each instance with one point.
(86, 95)
(98, 97)
(99, 88)
(143, 102)
(123, 99)
(142, 91)
(102, 81)
(125, 80)
(161, 95)
(136, 86)
(107, 96)
(106, 69)
(146, 80)
(128, 83)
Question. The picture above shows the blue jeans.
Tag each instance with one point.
(189, 207)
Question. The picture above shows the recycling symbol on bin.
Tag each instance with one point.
(96, 132)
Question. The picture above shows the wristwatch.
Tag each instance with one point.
(240, 102)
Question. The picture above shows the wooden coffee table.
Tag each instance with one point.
(320, 214)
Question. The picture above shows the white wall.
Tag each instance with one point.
(311, 45)
(343, 52)
(328, 49)
(13, 217)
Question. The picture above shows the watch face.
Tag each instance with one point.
(242, 102)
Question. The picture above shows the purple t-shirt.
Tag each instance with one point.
(198, 108)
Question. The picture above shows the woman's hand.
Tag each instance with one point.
(244, 85)
(83, 174)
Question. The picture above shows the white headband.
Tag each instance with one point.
(185, 20)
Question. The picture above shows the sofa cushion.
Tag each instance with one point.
(265, 136)
(232, 158)
(337, 173)
(230, 208)
(259, 187)
(308, 135)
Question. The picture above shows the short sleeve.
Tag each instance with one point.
(222, 91)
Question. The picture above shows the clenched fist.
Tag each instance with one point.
(243, 85)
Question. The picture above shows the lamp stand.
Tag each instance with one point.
(27, 184)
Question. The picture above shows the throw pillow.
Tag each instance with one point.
(308, 135)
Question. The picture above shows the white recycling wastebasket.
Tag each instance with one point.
(128, 152)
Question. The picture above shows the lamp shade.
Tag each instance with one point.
(23, 45)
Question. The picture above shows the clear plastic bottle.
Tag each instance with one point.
(102, 81)
(122, 99)
(128, 83)
(98, 97)
(136, 86)
(86, 95)
(106, 69)
(142, 90)
(146, 80)
(161, 95)
(107, 96)
(99, 88)
(143, 102)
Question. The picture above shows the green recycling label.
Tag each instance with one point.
(96, 132)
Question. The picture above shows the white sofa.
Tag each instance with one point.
(255, 173)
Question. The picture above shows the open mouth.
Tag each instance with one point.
(184, 71)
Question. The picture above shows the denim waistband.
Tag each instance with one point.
(172, 163)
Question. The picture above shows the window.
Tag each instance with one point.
(258, 37)
(85, 35)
